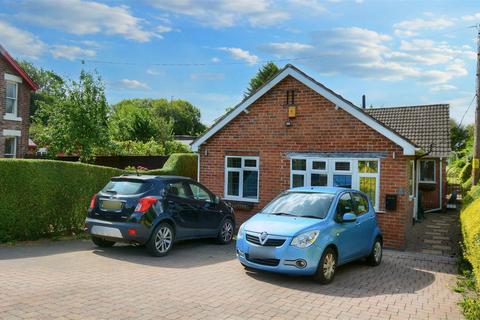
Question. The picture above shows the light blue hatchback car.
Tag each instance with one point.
(311, 231)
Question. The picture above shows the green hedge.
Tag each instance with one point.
(45, 197)
(178, 164)
(470, 220)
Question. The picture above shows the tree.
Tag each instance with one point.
(265, 73)
(76, 122)
(459, 135)
(131, 121)
(183, 116)
(51, 85)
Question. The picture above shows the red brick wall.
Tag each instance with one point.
(23, 111)
(318, 127)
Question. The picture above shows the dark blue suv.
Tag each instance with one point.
(156, 211)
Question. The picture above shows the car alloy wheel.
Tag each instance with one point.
(377, 251)
(227, 231)
(163, 239)
(329, 265)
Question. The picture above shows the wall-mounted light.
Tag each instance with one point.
(206, 152)
(292, 112)
(288, 123)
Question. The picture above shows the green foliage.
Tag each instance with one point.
(77, 121)
(42, 198)
(470, 284)
(459, 167)
(176, 147)
(265, 73)
(131, 148)
(179, 164)
(134, 122)
(178, 115)
(51, 86)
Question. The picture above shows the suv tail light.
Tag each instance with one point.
(144, 204)
(92, 202)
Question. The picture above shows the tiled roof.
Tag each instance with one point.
(427, 126)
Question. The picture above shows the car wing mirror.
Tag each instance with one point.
(349, 217)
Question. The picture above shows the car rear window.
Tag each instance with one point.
(126, 187)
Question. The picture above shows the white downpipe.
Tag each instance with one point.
(417, 179)
(440, 198)
(198, 166)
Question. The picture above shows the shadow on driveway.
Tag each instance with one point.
(184, 254)
(357, 280)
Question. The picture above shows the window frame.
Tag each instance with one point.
(241, 171)
(10, 155)
(434, 171)
(13, 114)
(330, 172)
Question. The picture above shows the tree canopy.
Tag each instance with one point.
(77, 121)
(265, 73)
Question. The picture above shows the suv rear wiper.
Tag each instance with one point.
(111, 191)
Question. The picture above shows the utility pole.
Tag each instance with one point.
(476, 144)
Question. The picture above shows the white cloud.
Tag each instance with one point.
(155, 72)
(285, 47)
(443, 87)
(240, 54)
(71, 52)
(367, 54)
(472, 18)
(313, 5)
(215, 60)
(20, 42)
(225, 13)
(133, 84)
(410, 28)
(84, 17)
(163, 29)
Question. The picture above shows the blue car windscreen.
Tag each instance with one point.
(300, 204)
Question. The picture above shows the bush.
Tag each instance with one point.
(470, 220)
(44, 197)
(179, 164)
(471, 195)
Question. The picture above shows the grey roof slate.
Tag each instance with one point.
(428, 126)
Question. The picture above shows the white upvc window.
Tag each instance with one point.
(361, 174)
(10, 147)
(11, 99)
(242, 178)
(427, 171)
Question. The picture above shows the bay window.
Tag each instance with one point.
(241, 178)
(361, 174)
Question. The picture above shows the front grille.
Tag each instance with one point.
(269, 243)
(265, 262)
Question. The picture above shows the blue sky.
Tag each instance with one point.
(395, 52)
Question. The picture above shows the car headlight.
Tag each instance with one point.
(241, 231)
(305, 239)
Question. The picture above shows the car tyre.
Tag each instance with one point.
(225, 235)
(375, 256)
(102, 243)
(326, 267)
(161, 241)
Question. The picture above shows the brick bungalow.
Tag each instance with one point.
(15, 91)
(294, 131)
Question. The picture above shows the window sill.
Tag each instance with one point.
(427, 182)
(241, 199)
(11, 117)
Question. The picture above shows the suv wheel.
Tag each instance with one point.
(226, 232)
(375, 257)
(326, 267)
(100, 242)
(161, 240)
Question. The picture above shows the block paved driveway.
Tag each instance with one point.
(201, 280)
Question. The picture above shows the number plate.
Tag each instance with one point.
(112, 205)
(106, 231)
(261, 252)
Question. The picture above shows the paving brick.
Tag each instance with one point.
(200, 280)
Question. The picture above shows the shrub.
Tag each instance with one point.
(44, 197)
(179, 164)
(471, 195)
(470, 220)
